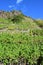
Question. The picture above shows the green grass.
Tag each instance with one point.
(12, 27)
(2, 20)
(40, 23)
(20, 44)
(2, 26)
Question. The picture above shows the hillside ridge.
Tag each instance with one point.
(16, 21)
(21, 39)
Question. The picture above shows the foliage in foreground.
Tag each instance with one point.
(20, 45)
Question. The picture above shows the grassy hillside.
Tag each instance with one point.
(21, 39)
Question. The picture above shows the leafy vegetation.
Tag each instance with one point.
(17, 18)
(40, 23)
(22, 42)
(13, 47)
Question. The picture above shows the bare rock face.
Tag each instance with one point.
(4, 14)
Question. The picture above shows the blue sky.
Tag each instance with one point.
(32, 8)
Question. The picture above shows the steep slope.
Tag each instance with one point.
(16, 21)
(21, 39)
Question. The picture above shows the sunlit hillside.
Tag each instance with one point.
(21, 39)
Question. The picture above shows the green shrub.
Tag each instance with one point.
(17, 18)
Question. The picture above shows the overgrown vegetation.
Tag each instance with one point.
(21, 40)
(17, 18)
(20, 45)
(40, 23)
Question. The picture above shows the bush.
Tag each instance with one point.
(17, 18)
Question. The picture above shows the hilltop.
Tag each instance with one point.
(15, 21)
